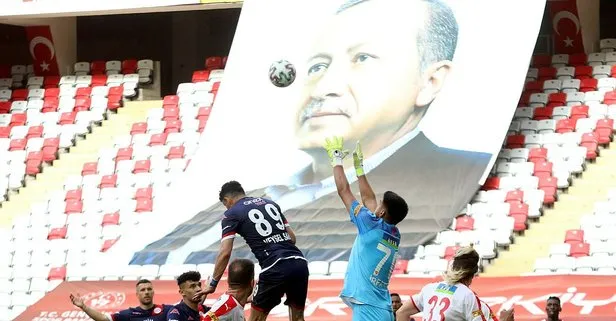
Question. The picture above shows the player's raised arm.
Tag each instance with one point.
(335, 151)
(78, 301)
(367, 194)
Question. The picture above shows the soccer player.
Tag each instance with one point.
(553, 309)
(190, 308)
(452, 299)
(396, 302)
(284, 269)
(230, 306)
(374, 252)
(146, 310)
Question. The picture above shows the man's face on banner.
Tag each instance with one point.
(363, 76)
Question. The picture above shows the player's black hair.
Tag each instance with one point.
(142, 281)
(232, 188)
(241, 273)
(396, 207)
(438, 39)
(394, 294)
(554, 298)
(189, 276)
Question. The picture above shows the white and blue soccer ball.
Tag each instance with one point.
(282, 73)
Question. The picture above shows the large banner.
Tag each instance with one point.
(428, 87)
(588, 298)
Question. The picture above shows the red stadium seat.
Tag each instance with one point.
(543, 169)
(557, 99)
(73, 195)
(465, 223)
(520, 222)
(124, 153)
(99, 80)
(98, 67)
(18, 144)
(609, 98)
(83, 92)
(204, 112)
(543, 113)
(116, 91)
(580, 111)
(546, 73)
(158, 139)
(73, 206)
(57, 233)
(67, 118)
(171, 101)
(143, 193)
(613, 72)
(578, 59)
(107, 244)
(539, 61)
(57, 274)
(139, 128)
(515, 141)
(142, 166)
(583, 72)
(5, 132)
(176, 152)
(35, 132)
(579, 250)
(213, 63)
(215, 87)
(590, 141)
(450, 252)
(202, 123)
(565, 126)
(33, 163)
(200, 76)
(108, 181)
(514, 196)
(19, 95)
(171, 112)
(173, 126)
(588, 84)
(5, 107)
(89, 168)
(82, 104)
(400, 267)
(518, 208)
(574, 236)
(18, 120)
(604, 131)
(533, 87)
(114, 102)
(144, 205)
(549, 185)
(51, 82)
(129, 66)
(50, 149)
(491, 183)
(52, 93)
(111, 219)
(50, 104)
(537, 155)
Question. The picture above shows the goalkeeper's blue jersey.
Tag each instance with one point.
(372, 260)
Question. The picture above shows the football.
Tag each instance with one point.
(282, 73)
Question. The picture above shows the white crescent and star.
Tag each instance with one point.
(565, 15)
(43, 41)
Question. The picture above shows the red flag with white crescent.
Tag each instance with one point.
(42, 50)
(567, 27)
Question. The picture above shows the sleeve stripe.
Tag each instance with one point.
(483, 317)
(230, 236)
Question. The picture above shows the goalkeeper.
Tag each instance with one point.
(375, 250)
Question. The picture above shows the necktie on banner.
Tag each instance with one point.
(567, 28)
(42, 50)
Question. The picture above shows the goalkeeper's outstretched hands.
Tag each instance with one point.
(335, 150)
(358, 160)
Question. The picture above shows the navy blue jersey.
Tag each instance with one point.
(261, 223)
(157, 313)
(182, 312)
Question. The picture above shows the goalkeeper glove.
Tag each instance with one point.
(335, 151)
(358, 160)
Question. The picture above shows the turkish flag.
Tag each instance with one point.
(42, 51)
(567, 27)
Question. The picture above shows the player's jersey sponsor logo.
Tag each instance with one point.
(157, 310)
(357, 209)
(477, 313)
(446, 289)
(391, 242)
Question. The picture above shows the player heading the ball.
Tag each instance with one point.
(284, 269)
(375, 250)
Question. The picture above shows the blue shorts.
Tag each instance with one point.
(365, 312)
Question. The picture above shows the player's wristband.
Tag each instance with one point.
(337, 161)
(214, 283)
(359, 171)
